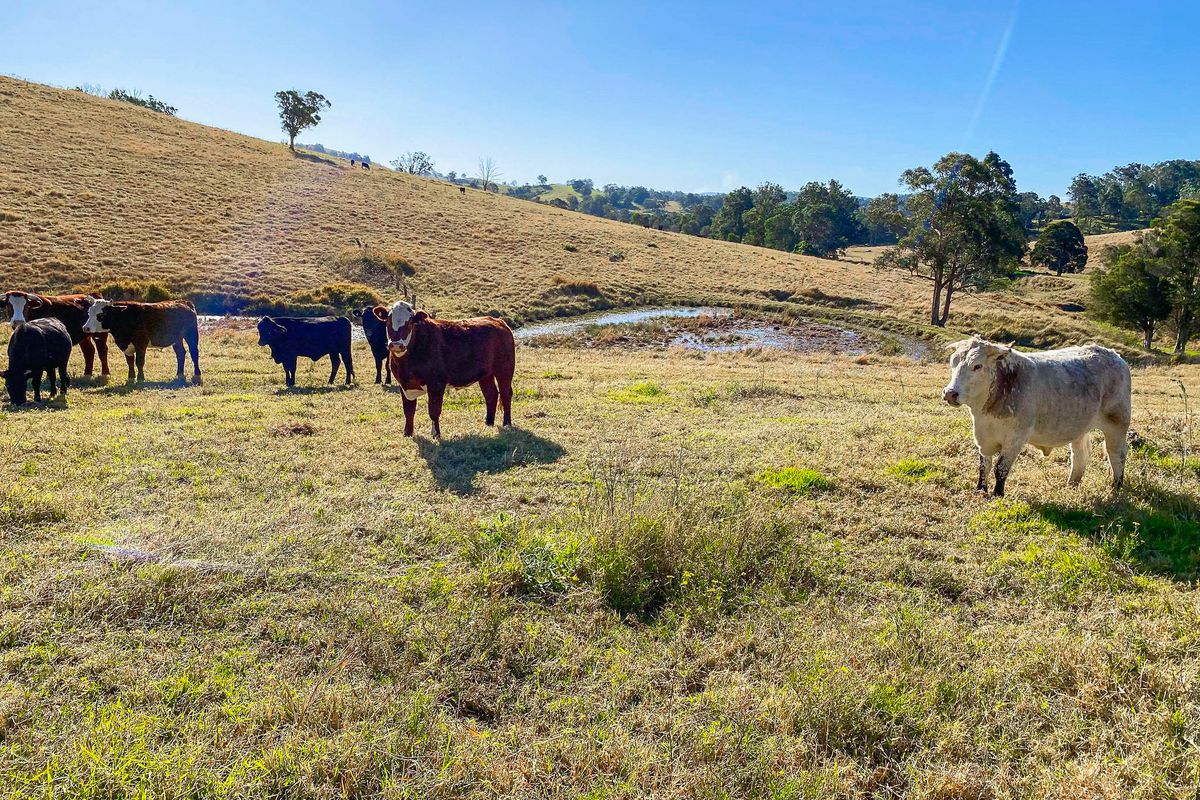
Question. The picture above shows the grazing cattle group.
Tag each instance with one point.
(1049, 399)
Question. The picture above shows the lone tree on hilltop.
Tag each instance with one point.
(417, 162)
(298, 112)
(542, 180)
(489, 173)
(1060, 247)
(964, 226)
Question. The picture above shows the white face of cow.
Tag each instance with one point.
(972, 371)
(17, 303)
(400, 316)
(93, 324)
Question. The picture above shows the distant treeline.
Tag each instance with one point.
(1130, 197)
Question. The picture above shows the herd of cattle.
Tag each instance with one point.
(424, 355)
(1050, 399)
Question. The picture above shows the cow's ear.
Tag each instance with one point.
(420, 316)
(380, 313)
(35, 301)
(119, 305)
(80, 304)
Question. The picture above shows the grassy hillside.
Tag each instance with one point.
(94, 190)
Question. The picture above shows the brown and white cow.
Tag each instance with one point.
(136, 326)
(427, 355)
(22, 307)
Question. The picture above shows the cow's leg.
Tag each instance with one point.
(336, 361)
(379, 371)
(1008, 454)
(62, 377)
(180, 354)
(348, 357)
(437, 391)
(490, 395)
(89, 354)
(139, 356)
(37, 386)
(387, 371)
(1116, 445)
(410, 411)
(53, 383)
(192, 338)
(289, 370)
(1079, 460)
(985, 466)
(101, 342)
(505, 384)
(132, 370)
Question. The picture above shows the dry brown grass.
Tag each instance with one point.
(94, 190)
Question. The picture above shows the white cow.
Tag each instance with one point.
(1048, 399)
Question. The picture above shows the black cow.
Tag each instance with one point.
(376, 333)
(40, 345)
(311, 337)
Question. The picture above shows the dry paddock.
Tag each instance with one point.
(676, 576)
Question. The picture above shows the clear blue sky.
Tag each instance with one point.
(699, 96)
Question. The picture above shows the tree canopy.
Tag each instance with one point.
(1060, 247)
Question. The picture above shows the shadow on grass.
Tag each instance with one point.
(456, 463)
(325, 388)
(1154, 529)
(123, 388)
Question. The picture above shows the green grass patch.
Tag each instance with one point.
(644, 392)
(914, 470)
(795, 480)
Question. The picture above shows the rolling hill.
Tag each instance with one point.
(96, 190)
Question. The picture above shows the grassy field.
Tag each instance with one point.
(719, 576)
(94, 190)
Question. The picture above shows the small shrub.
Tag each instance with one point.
(8, 216)
(577, 286)
(138, 291)
(795, 480)
(345, 296)
(570, 248)
(371, 262)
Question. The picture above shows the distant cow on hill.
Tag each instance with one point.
(22, 307)
(1047, 399)
(40, 345)
(427, 355)
(375, 332)
(353, 162)
(311, 337)
(366, 165)
(136, 326)
(462, 190)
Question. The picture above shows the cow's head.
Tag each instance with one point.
(269, 331)
(400, 322)
(15, 383)
(17, 303)
(98, 310)
(975, 367)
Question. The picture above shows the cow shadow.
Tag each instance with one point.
(1152, 528)
(124, 388)
(456, 463)
(314, 158)
(326, 388)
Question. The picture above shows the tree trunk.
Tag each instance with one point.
(292, 142)
(946, 306)
(1183, 333)
(937, 302)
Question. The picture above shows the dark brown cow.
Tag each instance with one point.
(136, 326)
(22, 307)
(427, 355)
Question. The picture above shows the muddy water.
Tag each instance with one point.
(565, 327)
